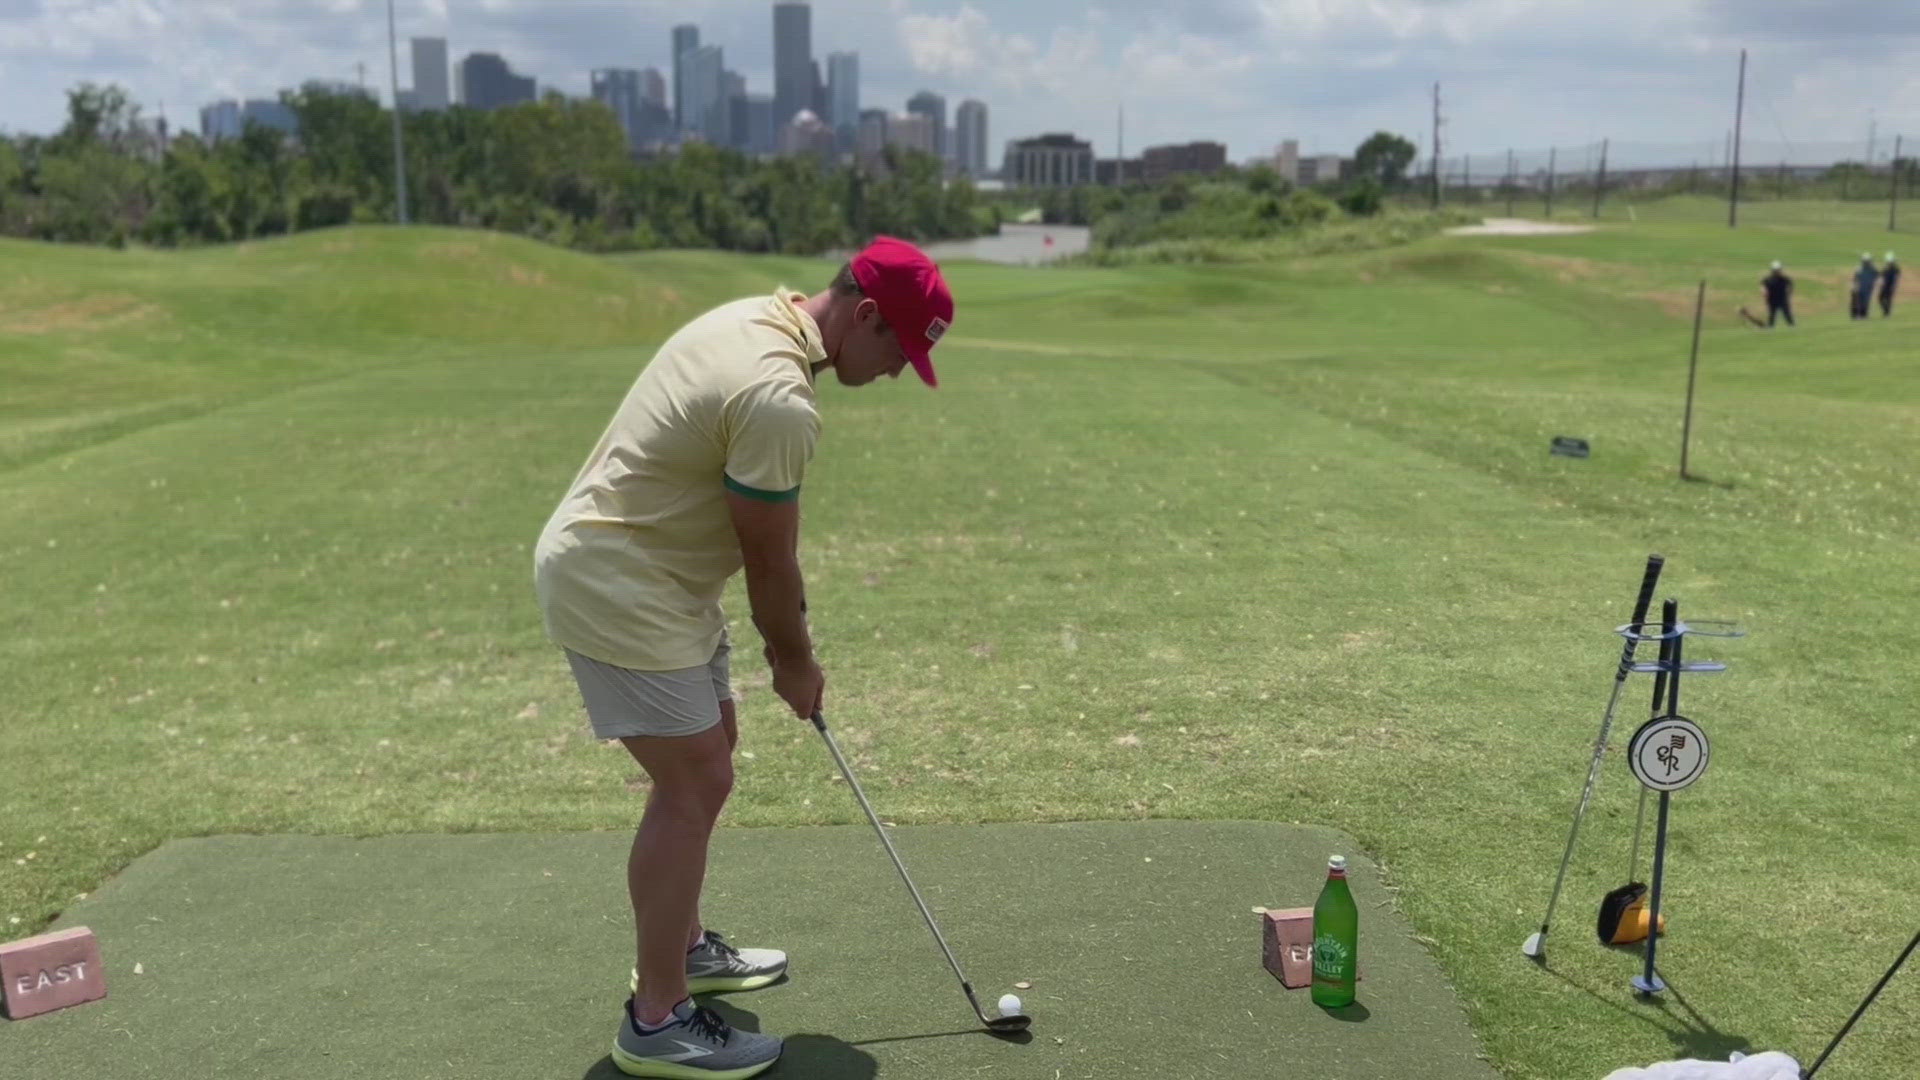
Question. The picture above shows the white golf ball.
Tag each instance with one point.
(1009, 1005)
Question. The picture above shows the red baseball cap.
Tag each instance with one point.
(912, 296)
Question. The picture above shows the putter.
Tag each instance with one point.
(1536, 944)
(997, 1024)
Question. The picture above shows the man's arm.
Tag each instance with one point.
(769, 535)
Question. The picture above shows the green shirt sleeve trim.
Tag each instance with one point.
(739, 488)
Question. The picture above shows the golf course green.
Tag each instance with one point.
(1275, 542)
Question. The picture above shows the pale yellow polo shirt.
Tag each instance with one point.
(630, 568)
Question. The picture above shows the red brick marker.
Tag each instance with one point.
(51, 972)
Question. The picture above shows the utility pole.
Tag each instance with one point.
(1893, 184)
(1510, 184)
(1600, 184)
(1436, 146)
(1552, 151)
(399, 144)
(1739, 110)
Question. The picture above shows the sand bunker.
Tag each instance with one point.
(1503, 226)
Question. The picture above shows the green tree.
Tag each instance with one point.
(1384, 157)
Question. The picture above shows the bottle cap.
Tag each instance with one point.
(1337, 863)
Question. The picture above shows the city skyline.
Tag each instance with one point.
(1243, 72)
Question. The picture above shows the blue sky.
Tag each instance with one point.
(1515, 73)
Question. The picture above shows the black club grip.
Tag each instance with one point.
(1654, 563)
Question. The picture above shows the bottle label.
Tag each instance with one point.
(1332, 959)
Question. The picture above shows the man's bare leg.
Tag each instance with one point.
(692, 776)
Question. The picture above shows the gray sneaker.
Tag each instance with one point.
(713, 966)
(697, 1045)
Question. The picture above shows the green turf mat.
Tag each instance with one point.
(507, 955)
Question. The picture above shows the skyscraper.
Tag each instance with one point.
(653, 88)
(686, 38)
(934, 107)
(792, 60)
(430, 73)
(488, 83)
(619, 90)
(970, 138)
(843, 94)
(220, 120)
(701, 94)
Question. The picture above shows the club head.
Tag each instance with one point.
(1009, 1024)
(1535, 947)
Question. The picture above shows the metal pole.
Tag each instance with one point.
(1436, 146)
(1739, 109)
(1649, 982)
(1893, 184)
(1551, 152)
(1600, 184)
(1693, 365)
(399, 144)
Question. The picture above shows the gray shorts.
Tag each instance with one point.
(622, 702)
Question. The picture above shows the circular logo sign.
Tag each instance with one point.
(1668, 753)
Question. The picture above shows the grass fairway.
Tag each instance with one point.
(1276, 542)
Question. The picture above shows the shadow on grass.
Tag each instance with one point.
(1692, 1035)
(1696, 478)
(805, 1057)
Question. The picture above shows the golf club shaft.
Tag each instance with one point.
(1881, 985)
(1669, 617)
(1647, 583)
(820, 724)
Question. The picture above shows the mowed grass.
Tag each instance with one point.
(1278, 542)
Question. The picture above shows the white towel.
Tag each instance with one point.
(1771, 1065)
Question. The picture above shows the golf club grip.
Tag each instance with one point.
(1640, 605)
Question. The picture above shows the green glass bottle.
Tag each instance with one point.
(1336, 939)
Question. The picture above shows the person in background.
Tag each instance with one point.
(1863, 280)
(1889, 281)
(1779, 289)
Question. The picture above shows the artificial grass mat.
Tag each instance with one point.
(508, 954)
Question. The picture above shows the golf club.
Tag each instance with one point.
(998, 1024)
(1881, 985)
(1536, 944)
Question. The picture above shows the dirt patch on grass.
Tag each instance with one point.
(86, 313)
(523, 276)
(451, 249)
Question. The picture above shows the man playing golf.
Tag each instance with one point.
(698, 476)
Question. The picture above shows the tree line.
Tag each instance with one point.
(557, 169)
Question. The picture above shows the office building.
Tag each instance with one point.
(701, 94)
(970, 138)
(843, 94)
(430, 74)
(488, 83)
(870, 136)
(1286, 160)
(794, 73)
(1053, 160)
(653, 88)
(762, 134)
(644, 119)
(221, 120)
(1322, 169)
(686, 38)
(934, 107)
(807, 134)
(911, 131)
(1195, 159)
